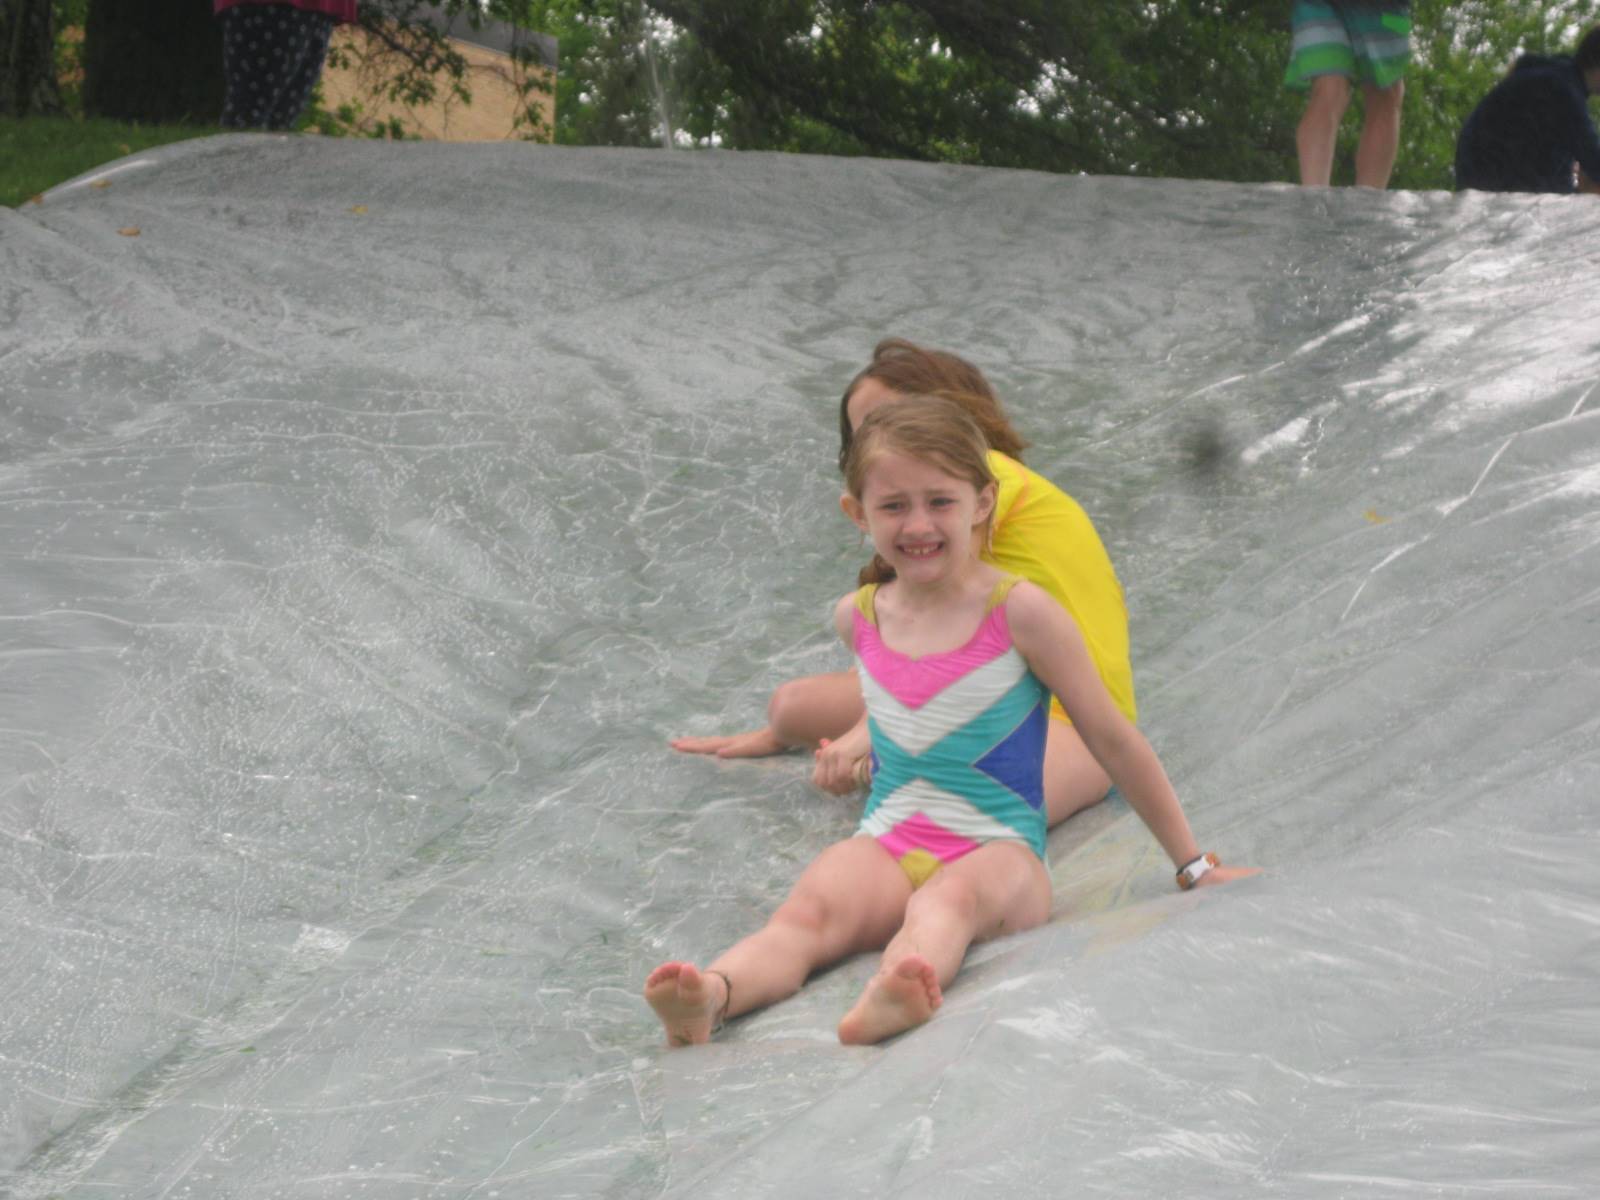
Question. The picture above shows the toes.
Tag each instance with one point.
(664, 972)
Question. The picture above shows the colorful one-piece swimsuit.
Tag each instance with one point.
(957, 742)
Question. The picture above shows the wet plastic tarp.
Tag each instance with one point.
(370, 516)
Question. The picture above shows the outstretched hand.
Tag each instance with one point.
(1220, 875)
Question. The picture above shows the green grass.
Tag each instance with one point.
(39, 152)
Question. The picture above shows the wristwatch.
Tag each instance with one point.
(1189, 874)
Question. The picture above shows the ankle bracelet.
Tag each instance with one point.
(721, 1019)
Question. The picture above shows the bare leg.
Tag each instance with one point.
(1318, 132)
(801, 713)
(851, 898)
(1380, 134)
(1073, 780)
(999, 888)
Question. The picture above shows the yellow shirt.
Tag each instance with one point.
(1043, 534)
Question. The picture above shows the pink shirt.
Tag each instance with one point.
(342, 11)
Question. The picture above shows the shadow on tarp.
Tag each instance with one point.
(373, 514)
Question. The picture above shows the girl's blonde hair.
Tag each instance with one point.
(912, 370)
(929, 429)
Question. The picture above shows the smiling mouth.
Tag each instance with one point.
(926, 550)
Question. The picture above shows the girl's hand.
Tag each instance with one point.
(841, 763)
(1218, 875)
(840, 766)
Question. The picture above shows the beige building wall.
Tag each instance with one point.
(492, 79)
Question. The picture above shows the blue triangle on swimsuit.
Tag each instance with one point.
(1016, 761)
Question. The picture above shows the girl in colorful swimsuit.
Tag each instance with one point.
(1038, 532)
(957, 660)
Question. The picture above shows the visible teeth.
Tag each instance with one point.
(921, 551)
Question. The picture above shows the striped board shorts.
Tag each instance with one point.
(1366, 42)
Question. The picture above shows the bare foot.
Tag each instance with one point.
(757, 744)
(897, 999)
(686, 1000)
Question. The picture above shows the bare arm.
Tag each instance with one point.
(835, 768)
(1054, 648)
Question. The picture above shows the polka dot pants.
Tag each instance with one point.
(271, 58)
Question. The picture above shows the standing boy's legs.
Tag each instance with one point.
(1336, 43)
(999, 888)
(1380, 133)
(1381, 36)
(1318, 132)
(851, 898)
(1322, 62)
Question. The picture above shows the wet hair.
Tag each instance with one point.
(930, 429)
(912, 370)
(1588, 55)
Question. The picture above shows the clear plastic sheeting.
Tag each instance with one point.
(372, 514)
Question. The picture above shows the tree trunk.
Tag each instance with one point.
(152, 61)
(28, 59)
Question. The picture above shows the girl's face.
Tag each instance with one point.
(925, 522)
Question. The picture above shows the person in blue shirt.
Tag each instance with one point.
(1533, 127)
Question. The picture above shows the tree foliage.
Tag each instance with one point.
(409, 45)
(1168, 88)
(162, 61)
(1188, 88)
